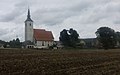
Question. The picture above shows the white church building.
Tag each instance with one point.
(40, 38)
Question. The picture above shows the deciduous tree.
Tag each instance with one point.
(107, 37)
(69, 37)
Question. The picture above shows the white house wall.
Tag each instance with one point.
(44, 44)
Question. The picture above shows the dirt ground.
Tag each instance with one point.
(59, 62)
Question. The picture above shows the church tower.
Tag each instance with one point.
(28, 28)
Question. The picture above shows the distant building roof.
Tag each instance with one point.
(43, 35)
(89, 39)
(89, 42)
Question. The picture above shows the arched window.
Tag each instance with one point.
(30, 24)
(42, 43)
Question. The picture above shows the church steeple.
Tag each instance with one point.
(28, 16)
(28, 28)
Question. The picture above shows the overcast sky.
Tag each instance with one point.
(85, 16)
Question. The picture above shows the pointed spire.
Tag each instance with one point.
(28, 16)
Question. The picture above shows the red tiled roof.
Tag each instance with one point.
(43, 35)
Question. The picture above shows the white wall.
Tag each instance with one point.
(44, 44)
(29, 31)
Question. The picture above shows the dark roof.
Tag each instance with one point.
(43, 35)
(87, 40)
(28, 17)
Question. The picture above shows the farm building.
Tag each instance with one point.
(89, 42)
(94, 43)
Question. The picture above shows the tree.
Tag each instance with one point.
(64, 37)
(69, 37)
(107, 37)
(118, 39)
(118, 36)
(12, 43)
(73, 37)
(18, 43)
(3, 43)
(15, 43)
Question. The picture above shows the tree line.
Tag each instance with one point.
(15, 43)
(107, 37)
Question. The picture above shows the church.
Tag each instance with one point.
(39, 38)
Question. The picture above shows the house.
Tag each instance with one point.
(94, 43)
(59, 44)
(118, 44)
(1, 45)
(43, 38)
(36, 38)
(89, 42)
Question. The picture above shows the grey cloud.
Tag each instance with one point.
(15, 13)
(3, 32)
(84, 15)
(99, 13)
(58, 15)
(117, 22)
(8, 33)
(78, 9)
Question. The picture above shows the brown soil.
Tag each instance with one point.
(59, 62)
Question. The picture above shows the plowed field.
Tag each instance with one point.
(59, 62)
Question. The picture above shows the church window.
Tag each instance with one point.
(30, 24)
(48, 44)
(42, 43)
(35, 41)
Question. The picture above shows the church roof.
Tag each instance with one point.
(43, 35)
(28, 17)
